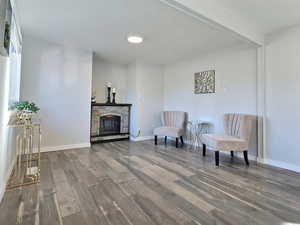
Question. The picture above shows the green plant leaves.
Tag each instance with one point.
(25, 105)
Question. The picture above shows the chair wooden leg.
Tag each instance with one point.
(166, 138)
(155, 139)
(246, 158)
(181, 139)
(177, 142)
(204, 150)
(231, 153)
(217, 157)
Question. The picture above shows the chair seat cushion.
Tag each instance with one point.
(224, 142)
(168, 131)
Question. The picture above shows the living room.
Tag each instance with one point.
(184, 111)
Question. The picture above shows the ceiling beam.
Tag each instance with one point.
(214, 13)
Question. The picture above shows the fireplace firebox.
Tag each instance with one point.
(110, 124)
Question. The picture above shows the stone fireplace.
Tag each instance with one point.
(110, 122)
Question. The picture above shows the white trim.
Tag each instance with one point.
(65, 147)
(279, 164)
(261, 103)
(142, 138)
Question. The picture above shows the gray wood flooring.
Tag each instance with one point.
(125, 183)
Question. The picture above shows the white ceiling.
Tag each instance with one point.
(267, 15)
(103, 25)
(170, 35)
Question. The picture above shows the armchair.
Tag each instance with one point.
(173, 125)
(238, 129)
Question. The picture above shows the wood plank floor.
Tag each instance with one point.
(126, 183)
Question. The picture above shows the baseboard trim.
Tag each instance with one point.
(280, 164)
(142, 138)
(65, 147)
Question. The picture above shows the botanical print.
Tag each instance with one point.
(205, 82)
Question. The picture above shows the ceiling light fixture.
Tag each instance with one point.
(134, 39)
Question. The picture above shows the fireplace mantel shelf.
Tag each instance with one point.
(110, 104)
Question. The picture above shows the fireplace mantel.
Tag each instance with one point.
(110, 104)
(102, 110)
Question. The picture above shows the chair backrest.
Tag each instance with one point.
(238, 125)
(173, 119)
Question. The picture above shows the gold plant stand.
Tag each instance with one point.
(26, 170)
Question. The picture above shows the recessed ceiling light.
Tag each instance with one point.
(134, 39)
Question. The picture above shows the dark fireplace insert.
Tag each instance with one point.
(110, 124)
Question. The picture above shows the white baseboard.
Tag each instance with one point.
(279, 164)
(142, 138)
(65, 147)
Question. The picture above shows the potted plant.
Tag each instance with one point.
(25, 110)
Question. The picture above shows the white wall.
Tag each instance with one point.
(282, 98)
(145, 92)
(150, 97)
(132, 97)
(104, 72)
(138, 83)
(235, 87)
(6, 155)
(9, 93)
(58, 80)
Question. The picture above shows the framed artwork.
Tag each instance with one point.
(205, 82)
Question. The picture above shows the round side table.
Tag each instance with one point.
(195, 130)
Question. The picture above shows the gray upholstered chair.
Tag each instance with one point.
(237, 135)
(173, 125)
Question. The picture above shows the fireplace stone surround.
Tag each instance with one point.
(104, 122)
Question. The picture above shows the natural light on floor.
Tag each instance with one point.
(287, 223)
